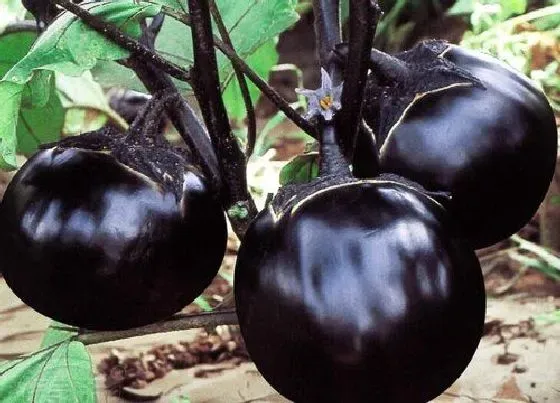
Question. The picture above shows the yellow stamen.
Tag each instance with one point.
(326, 102)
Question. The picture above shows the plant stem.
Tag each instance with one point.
(332, 159)
(365, 162)
(176, 323)
(387, 68)
(182, 116)
(113, 33)
(327, 34)
(270, 92)
(206, 84)
(261, 84)
(184, 119)
(364, 15)
(251, 117)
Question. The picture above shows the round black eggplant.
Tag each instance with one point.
(90, 242)
(493, 149)
(359, 293)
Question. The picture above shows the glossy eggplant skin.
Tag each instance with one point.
(359, 293)
(494, 150)
(89, 242)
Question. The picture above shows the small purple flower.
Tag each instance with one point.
(324, 101)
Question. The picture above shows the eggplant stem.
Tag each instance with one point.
(364, 15)
(175, 323)
(206, 85)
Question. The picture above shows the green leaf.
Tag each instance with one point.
(180, 399)
(226, 276)
(261, 62)
(536, 264)
(301, 169)
(69, 47)
(13, 47)
(80, 120)
(546, 261)
(266, 138)
(10, 99)
(57, 333)
(512, 7)
(251, 24)
(549, 22)
(461, 7)
(203, 303)
(40, 124)
(81, 92)
(80, 96)
(37, 92)
(60, 373)
(547, 256)
(110, 74)
(555, 199)
(548, 318)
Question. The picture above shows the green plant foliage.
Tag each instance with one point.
(301, 169)
(80, 95)
(82, 92)
(80, 120)
(41, 115)
(514, 40)
(68, 47)
(203, 303)
(10, 99)
(544, 261)
(266, 139)
(60, 373)
(549, 318)
(13, 47)
(261, 62)
(251, 24)
(57, 333)
(397, 26)
(40, 123)
(180, 399)
(487, 13)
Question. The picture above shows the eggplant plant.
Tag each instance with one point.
(345, 280)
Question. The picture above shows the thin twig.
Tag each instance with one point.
(176, 323)
(364, 15)
(236, 199)
(251, 117)
(270, 92)
(261, 84)
(113, 33)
